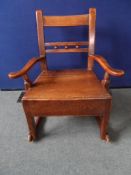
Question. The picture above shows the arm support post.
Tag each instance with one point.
(106, 80)
(27, 82)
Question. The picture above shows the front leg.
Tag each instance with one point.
(106, 135)
(31, 127)
(103, 120)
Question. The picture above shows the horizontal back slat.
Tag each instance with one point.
(58, 21)
(78, 43)
(70, 50)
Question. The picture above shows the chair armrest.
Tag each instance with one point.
(26, 68)
(104, 64)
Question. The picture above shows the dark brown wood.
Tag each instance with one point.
(40, 33)
(106, 135)
(66, 50)
(31, 123)
(26, 68)
(79, 43)
(104, 64)
(63, 21)
(27, 82)
(105, 120)
(106, 80)
(83, 82)
(92, 23)
(70, 92)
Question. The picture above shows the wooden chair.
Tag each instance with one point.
(68, 92)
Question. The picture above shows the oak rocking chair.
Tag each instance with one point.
(68, 92)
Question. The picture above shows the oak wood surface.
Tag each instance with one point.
(64, 21)
(26, 68)
(68, 47)
(67, 50)
(40, 34)
(82, 107)
(92, 24)
(70, 92)
(104, 64)
(63, 85)
(77, 43)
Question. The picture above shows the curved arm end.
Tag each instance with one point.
(25, 69)
(12, 75)
(104, 64)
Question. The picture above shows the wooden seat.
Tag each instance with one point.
(67, 85)
(68, 92)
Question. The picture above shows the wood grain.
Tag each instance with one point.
(104, 64)
(64, 21)
(26, 68)
(68, 50)
(71, 92)
(78, 43)
(92, 23)
(40, 33)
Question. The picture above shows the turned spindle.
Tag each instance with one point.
(66, 47)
